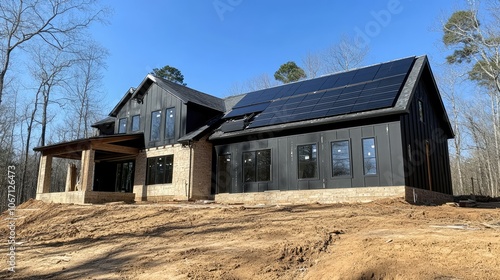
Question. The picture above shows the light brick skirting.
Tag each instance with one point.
(80, 197)
(335, 196)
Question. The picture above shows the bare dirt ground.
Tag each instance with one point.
(386, 239)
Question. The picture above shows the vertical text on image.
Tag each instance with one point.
(11, 203)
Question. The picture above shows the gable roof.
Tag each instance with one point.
(373, 91)
(186, 94)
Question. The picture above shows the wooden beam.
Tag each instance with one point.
(115, 148)
(115, 139)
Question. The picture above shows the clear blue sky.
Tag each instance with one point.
(217, 43)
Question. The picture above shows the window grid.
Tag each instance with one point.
(122, 125)
(160, 170)
(170, 123)
(341, 158)
(257, 166)
(308, 161)
(136, 123)
(369, 156)
(155, 125)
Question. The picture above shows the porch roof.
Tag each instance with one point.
(106, 147)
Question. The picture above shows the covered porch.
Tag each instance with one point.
(106, 173)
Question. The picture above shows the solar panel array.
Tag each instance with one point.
(364, 89)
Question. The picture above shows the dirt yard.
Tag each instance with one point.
(387, 239)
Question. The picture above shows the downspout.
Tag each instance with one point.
(190, 168)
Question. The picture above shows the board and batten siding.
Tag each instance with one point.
(155, 99)
(284, 165)
(418, 136)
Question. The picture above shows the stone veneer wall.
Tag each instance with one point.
(201, 177)
(80, 197)
(412, 195)
(180, 188)
(177, 190)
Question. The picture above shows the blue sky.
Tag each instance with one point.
(217, 43)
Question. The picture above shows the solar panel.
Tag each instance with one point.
(247, 110)
(364, 89)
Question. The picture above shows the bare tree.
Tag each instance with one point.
(83, 88)
(54, 22)
(344, 55)
(313, 66)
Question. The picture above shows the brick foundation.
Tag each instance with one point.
(345, 195)
(80, 197)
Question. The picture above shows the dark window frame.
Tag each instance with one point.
(225, 156)
(155, 174)
(349, 158)
(370, 157)
(138, 118)
(316, 169)
(169, 134)
(158, 126)
(120, 131)
(256, 175)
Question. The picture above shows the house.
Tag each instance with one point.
(367, 133)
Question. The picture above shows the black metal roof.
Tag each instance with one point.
(187, 94)
(377, 90)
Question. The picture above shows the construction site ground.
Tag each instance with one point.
(384, 239)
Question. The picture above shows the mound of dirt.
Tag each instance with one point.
(385, 239)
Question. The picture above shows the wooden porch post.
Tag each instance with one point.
(87, 172)
(44, 173)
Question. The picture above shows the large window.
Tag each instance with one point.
(122, 125)
(160, 170)
(257, 166)
(136, 123)
(308, 161)
(124, 177)
(369, 156)
(170, 123)
(224, 173)
(341, 158)
(155, 125)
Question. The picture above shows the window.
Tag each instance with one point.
(421, 110)
(155, 125)
(308, 161)
(122, 125)
(369, 156)
(224, 173)
(124, 177)
(341, 159)
(257, 166)
(160, 170)
(170, 124)
(136, 123)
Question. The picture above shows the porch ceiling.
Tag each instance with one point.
(106, 147)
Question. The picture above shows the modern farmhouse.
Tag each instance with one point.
(367, 133)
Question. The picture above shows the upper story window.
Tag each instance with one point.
(155, 125)
(341, 158)
(170, 123)
(136, 123)
(122, 125)
(308, 161)
(257, 166)
(369, 156)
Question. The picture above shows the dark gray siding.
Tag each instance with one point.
(432, 131)
(284, 166)
(155, 99)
